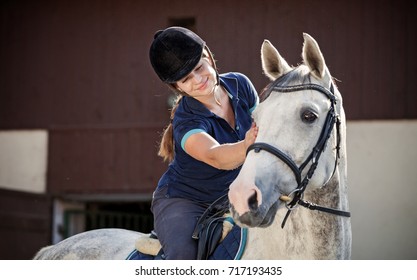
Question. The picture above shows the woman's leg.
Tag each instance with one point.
(174, 222)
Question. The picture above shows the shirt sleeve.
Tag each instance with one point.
(183, 130)
(250, 93)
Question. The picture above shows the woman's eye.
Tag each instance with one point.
(308, 116)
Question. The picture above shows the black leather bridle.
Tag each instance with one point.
(332, 120)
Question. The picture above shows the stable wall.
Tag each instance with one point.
(382, 180)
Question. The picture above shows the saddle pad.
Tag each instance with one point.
(136, 255)
(230, 248)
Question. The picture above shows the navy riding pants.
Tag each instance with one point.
(174, 223)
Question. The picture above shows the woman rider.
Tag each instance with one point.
(206, 141)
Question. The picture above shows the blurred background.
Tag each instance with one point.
(81, 110)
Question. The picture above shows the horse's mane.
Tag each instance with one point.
(293, 77)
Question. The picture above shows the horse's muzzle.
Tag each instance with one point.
(259, 217)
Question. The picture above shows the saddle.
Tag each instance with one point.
(211, 230)
(211, 237)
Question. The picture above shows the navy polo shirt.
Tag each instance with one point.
(189, 178)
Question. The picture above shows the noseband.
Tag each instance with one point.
(332, 119)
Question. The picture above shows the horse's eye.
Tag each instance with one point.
(308, 116)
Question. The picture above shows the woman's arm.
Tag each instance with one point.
(204, 147)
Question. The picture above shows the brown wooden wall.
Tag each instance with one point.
(25, 224)
(103, 161)
(80, 70)
(85, 63)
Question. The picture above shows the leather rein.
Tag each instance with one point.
(332, 120)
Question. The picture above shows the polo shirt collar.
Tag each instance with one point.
(196, 107)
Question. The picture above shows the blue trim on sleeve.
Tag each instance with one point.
(188, 134)
(254, 106)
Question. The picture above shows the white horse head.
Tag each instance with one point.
(299, 154)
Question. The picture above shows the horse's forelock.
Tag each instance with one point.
(294, 77)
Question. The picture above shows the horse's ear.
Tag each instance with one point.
(313, 57)
(273, 64)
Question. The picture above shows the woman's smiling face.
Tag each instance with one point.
(201, 81)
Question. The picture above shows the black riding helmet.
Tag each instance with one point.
(175, 52)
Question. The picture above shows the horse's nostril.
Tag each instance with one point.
(253, 202)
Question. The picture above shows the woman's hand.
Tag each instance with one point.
(251, 135)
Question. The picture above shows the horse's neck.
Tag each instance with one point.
(294, 241)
